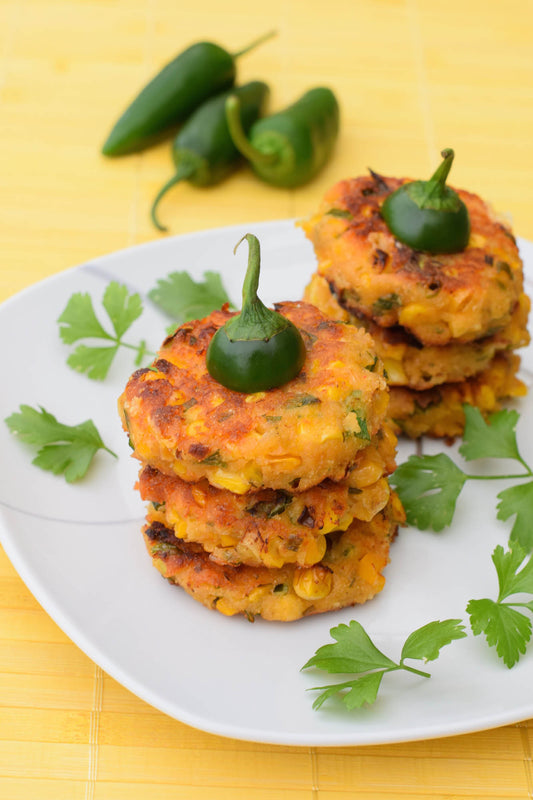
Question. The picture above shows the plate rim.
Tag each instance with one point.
(37, 587)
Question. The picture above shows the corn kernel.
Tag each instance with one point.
(180, 529)
(196, 428)
(160, 565)
(313, 552)
(258, 594)
(477, 240)
(225, 608)
(227, 540)
(314, 583)
(368, 569)
(156, 515)
(272, 556)
(330, 435)
(397, 509)
(414, 312)
(487, 398)
(233, 483)
(255, 397)
(199, 496)
(178, 468)
(285, 462)
(334, 522)
(374, 497)
(369, 471)
(395, 372)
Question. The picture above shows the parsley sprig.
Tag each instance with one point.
(506, 628)
(355, 652)
(62, 449)
(79, 321)
(429, 486)
(68, 450)
(182, 298)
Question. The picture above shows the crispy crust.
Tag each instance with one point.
(349, 573)
(410, 364)
(439, 411)
(271, 527)
(184, 423)
(439, 299)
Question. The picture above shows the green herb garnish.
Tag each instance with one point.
(506, 628)
(79, 321)
(183, 299)
(355, 652)
(62, 449)
(429, 486)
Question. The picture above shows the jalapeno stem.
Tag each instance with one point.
(255, 43)
(437, 181)
(251, 279)
(184, 171)
(233, 118)
(255, 319)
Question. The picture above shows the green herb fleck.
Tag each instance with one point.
(341, 213)
(363, 427)
(213, 460)
(503, 266)
(300, 400)
(271, 508)
(372, 366)
(386, 303)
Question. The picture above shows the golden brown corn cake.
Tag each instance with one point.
(349, 573)
(271, 527)
(438, 299)
(439, 411)
(409, 363)
(182, 422)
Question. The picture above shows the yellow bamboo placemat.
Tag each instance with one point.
(413, 76)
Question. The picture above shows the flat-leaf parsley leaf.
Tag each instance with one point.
(429, 486)
(183, 299)
(62, 449)
(355, 652)
(495, 439)
(79, 321)
(505, 627)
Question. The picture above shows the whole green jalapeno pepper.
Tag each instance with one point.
(258, 349)
(203, 150)
(199, 72)
(289, 148)
(428, 215)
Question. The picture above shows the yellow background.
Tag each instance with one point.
(412, 76)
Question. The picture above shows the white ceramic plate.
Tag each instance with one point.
(79, 548)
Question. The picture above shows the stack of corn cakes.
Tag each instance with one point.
(445, 326)
(275, 503)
